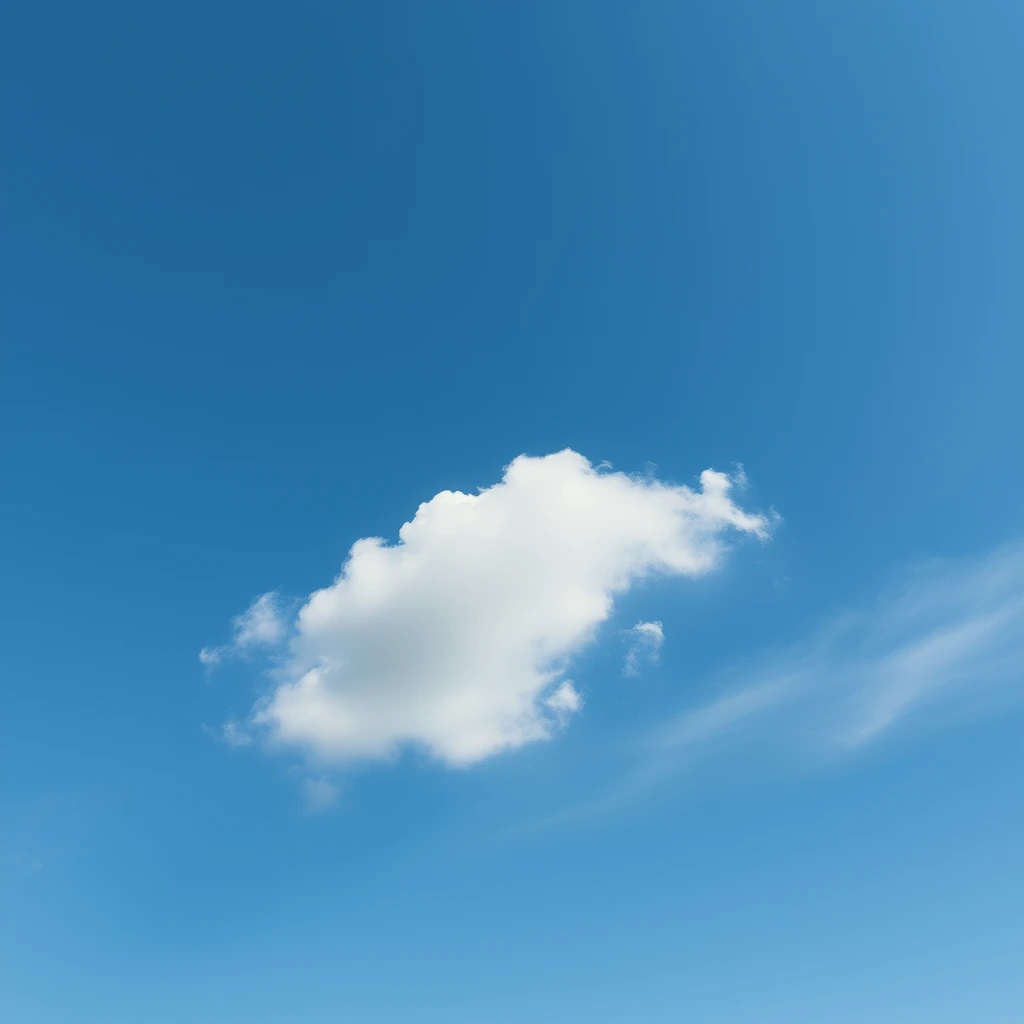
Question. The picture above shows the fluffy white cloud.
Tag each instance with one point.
(645, 640)
(260, 625)
(456, 639)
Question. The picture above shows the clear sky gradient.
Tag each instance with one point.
(276, 274)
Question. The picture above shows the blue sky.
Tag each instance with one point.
(279, 275)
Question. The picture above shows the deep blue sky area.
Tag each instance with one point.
(275, 274)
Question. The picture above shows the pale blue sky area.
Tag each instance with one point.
(275, 275)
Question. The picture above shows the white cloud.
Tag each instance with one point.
(319, 794)
(456, 639)
(211, 655)
(945, 644)
(949, 640)
(645, 641)
(260, 625)
(565, 700)
(234, 735)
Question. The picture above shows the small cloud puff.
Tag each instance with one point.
(235, 735)
(231, 733)
(645, 642)
(566, 700)
(260, 625)
(319, 795)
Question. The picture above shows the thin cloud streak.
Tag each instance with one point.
(945, 644)
(951, 633)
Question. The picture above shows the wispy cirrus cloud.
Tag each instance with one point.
(949, 637)
(945, 643)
